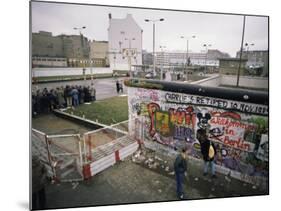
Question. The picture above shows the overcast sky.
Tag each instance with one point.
(223, 32)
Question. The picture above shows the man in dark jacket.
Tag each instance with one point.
(180, 168)
(208, 151)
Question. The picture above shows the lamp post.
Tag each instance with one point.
(206, 47)
(162, 63)
(154, 21)
(79, 29)
(247, 48)
(187, 40)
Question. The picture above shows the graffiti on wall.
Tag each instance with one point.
(236, 128)
(217, 103)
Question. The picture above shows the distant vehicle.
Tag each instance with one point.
(150, 75)
(120, 74)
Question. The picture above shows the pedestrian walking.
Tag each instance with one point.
(39, 181)
(117, 86)
(121, 86)
(208, 151)
(180, 167)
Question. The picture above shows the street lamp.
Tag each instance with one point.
(80, 29)
(206, 46)
(154, 21)
(162, 63)
(187, 39)
(247, 45)
(82, 41)
(247, 48)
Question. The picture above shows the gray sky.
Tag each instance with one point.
(223, 32)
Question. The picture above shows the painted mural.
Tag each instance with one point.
(238, 130)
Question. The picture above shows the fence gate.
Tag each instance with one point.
(66, 154)
(39, 147)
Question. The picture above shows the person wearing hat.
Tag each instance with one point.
(180, 167)
(208, 151)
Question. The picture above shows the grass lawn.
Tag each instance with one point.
(108, 111)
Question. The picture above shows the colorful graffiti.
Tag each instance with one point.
(172, 120)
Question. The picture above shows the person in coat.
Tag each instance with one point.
(180, 167)
(208, 151)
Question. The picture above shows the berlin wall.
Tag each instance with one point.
(169, 114)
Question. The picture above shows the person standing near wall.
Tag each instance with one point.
(180, 167)
(208, 151)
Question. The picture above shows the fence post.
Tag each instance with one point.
(80, 151)
(49, 157)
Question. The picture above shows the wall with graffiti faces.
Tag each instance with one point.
(238, 129)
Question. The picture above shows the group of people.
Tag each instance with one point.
(43, 101)
(208, 151)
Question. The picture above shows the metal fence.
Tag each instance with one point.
(67, 156)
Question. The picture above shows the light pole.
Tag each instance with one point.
(247, 48)
(154, 21)
(162, 63)
(79, 29)
(206, 46)
(187, 40)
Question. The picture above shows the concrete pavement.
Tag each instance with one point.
(135, 180)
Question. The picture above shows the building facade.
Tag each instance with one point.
(44, 44)
(49, 50)
(230, 66)
(124, 43)
(178, 58)
(147, 58)
(256, 59)
(99, 53)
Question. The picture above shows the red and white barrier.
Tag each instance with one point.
(102, 159)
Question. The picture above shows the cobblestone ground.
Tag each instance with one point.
(144, 178)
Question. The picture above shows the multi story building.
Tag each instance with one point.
(99, 53)
(125, 43)
(178, 58)
(256, 59)
(147, 58)
(74, 48)
(230, 66)
(44, 44)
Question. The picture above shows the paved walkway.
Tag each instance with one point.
(139, 179)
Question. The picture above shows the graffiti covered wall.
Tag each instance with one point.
(238, 129)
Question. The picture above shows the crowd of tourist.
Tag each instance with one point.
(44, 101)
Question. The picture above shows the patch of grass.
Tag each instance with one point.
(108, 111)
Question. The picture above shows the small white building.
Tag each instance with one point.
(124, 43)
